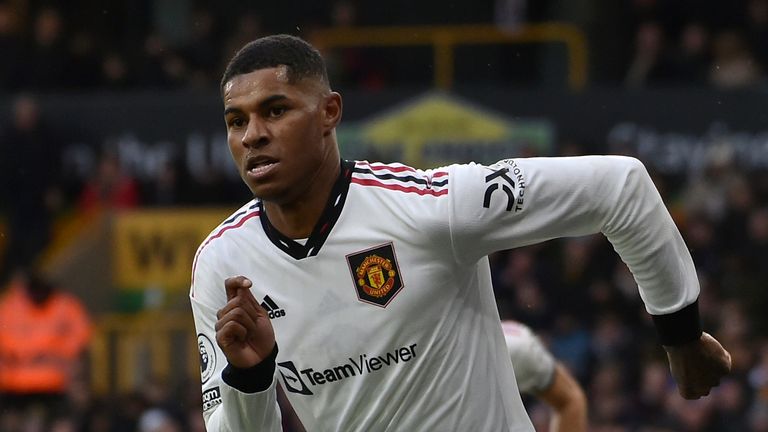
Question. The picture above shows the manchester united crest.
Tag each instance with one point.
(376, 274)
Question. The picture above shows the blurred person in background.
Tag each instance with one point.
(115, 73)
(110, 188)
(161, 66)
(29, 183)
(734, 66)
(44, 62)
(44, 333)
(691, 58)
(10, 46)
(203, 50)
(83, 61)
(538, 373)
(650, 63)
(157, 420)
(757, 30)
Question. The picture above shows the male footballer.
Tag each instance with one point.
(364, 289)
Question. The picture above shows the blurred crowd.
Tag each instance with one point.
(574, 292)
(128, 45)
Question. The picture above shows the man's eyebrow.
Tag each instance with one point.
(273, 98)
(232, 110)
(264, 103)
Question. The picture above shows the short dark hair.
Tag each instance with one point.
(302, 59)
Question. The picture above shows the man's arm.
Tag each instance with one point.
(546, 198)
(238, 382)
(568, 401)
(698, 366)
(227, 405)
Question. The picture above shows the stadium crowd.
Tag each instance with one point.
(575, 292)
(148, 45)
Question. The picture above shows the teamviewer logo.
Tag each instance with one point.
(292, 379)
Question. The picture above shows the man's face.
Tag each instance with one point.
(276, 131)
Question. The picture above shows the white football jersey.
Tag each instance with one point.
(534, 365)
(385, 317)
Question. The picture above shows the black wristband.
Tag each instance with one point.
(679, 328)
(253, 379)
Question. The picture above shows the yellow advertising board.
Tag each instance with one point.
(440, 128)
(155, 248)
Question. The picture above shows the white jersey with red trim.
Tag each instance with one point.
(385, 317)
(534, 365)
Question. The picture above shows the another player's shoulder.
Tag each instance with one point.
(515, 328)
(516, 332)
(400, 178)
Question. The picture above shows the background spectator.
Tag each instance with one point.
(43, 335)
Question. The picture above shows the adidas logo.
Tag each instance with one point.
(273, 310)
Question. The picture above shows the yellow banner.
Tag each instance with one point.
(438, 129)
(155, 248)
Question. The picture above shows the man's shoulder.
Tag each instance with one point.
(516, 333)
(403, 180)
(233, 224)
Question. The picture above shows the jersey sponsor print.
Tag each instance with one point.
(211, 398)
(294, 378)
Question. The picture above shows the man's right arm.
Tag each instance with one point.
(234, 398)
(228, 405)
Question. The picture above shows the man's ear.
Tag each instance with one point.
(331, 112)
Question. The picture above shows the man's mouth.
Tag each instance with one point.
(259, 166)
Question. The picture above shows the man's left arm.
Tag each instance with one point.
(518, 202)
(698, 366)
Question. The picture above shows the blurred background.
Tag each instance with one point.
(114, 166)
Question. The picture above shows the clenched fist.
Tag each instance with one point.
(698, 366)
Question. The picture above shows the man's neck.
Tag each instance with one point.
(298, 218)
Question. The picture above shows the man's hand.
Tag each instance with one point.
(243, 330)
(698, 366)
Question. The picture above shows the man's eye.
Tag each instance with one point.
(276, 111)
(237, 122)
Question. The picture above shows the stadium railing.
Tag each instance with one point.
(445, 39)
(130, 350)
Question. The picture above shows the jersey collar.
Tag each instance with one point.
(323, 226)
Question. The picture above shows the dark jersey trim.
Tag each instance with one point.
(323, 227)
(402, 178)
(237, 215)
(679, 327)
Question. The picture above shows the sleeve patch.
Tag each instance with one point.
(505, 185)
(207, 357)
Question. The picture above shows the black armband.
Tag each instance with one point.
(679, 328)
(253, 379)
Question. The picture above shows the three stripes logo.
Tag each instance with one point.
(273, 310)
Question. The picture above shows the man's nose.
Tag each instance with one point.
(256, 135)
